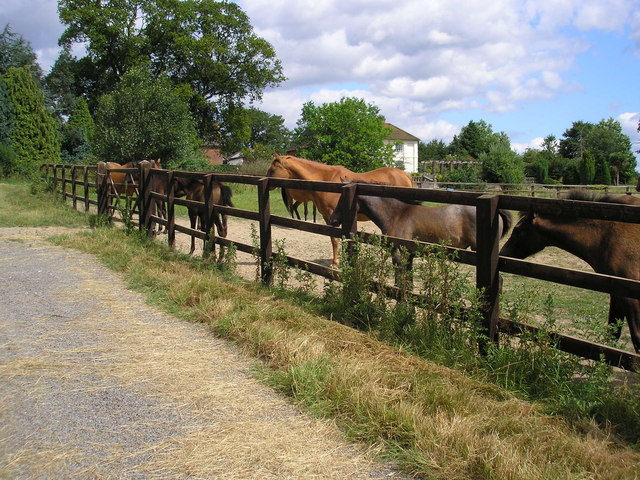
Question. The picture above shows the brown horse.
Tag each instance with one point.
(288, 166)
(610, 248)
(292, 200)
(120, 183)
(452, 224)
(194, 189)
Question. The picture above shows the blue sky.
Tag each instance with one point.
(528, 67)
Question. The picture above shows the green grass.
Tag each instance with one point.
(22, 209)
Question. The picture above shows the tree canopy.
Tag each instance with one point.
(207, 45)
(146, 118)
(16, 52)
(349, 132)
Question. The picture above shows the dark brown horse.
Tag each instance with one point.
(453, 224)
(288, 166)
(194, 189)
(610, 248)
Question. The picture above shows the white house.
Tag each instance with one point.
(405, 148)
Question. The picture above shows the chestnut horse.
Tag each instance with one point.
(610, 248)
(292, 200)
(452, 224)
(194, 189)
(288, 166)
(127, 183)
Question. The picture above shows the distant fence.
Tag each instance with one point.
(541, 190)
(488, 264)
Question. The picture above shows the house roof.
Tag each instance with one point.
(399, 134)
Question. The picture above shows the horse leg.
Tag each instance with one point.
(616, 313)
(294, 209)
(193, 218)
(633, 319)
(306, 211)
(335, 245)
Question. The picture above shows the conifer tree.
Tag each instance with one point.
(35, 139)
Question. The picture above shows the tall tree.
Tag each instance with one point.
(609, 145)
(587, 168)
(62, 85)
(268, 131)
(35, 138)
(206, 44)
(573, 144)
(349, 132)
(16, 52)
(146, 118)
(476, 138)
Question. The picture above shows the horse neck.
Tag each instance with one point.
(376, 209)
(308, 170)
(580, 237)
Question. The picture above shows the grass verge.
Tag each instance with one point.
(434, 421)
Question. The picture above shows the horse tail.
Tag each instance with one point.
(227, 193)
(507, 220)
(285, 199)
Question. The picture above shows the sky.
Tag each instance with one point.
(529, 68)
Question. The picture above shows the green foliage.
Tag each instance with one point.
(434, 150)
(476, 138)
(146, 118)
(612, 147)
(607, 144)
(207, 45)
(77, 135)
(501, 164)
(349, 132)
(462, 174)
(7, 114)
(602, 174)
(587, 168)
(62, 86)
(268, 132)
(35, 138)
(16, 52)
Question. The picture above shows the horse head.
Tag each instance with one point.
(278, 167)
(526, 238)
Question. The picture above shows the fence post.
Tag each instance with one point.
(64, 183)
(74, 171)
(144, 209)
(171, 218)
(266, 247)
(85, 179)
(487, 274)
(103, 189)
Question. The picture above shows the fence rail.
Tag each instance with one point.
(488, 264)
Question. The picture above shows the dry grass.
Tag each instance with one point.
(436, 421)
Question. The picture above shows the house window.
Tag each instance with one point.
(399, 148)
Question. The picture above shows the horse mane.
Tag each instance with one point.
(408, 202)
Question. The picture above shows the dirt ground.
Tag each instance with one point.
(95, 383)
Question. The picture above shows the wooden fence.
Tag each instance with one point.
(486, 259)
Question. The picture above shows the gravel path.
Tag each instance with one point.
(97, 384)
